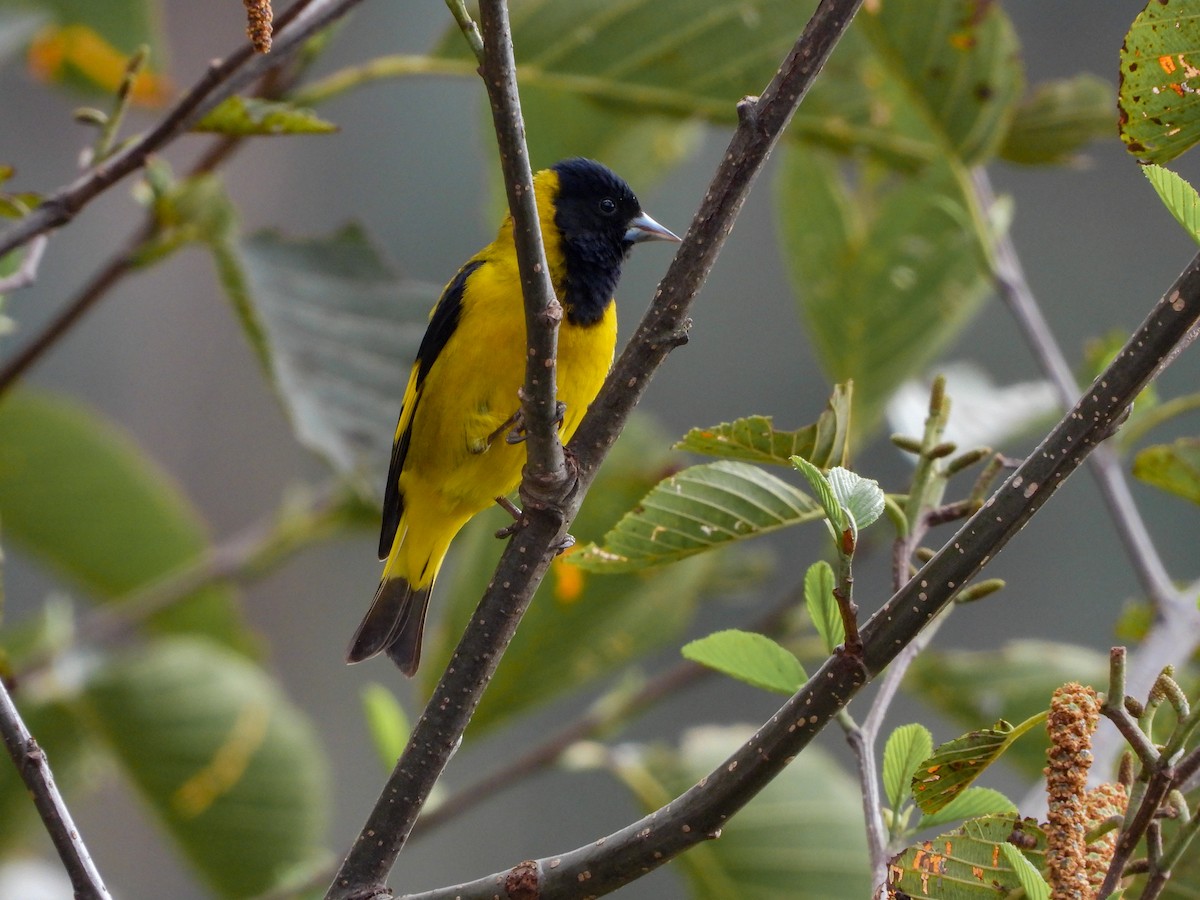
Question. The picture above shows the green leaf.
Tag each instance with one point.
(800, 838)
(912, 84)
(1053, 124)
(968, 863)
(387, 722)
(81, 497)
(1178, 196)
(973, 803)
(825, 495)
(1159, 116)
(822, 605)
(1028, 877)
(1013, 682)
(906, 748)
(1174, 468)
(861, 497)
(754, 438)
(247, 116)
(580, 626)
(232, 769)
(749, 657)
(955, 764)
(340, 332)
(191, 210)
(699, 509)
(887, 270)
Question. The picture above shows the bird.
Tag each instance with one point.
(455, 450)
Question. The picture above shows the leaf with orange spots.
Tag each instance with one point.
(755, 438)
(957, 763)
(1159, 94)
(969, 863)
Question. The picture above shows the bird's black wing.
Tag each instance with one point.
(442, 324)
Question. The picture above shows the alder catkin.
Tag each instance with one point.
(258, 24)
(1074, 714)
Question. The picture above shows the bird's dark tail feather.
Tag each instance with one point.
(394, 625)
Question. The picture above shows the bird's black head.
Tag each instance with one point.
(599, 220)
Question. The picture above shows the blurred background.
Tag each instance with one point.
(166, 359)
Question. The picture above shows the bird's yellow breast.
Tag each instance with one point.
(459, 460)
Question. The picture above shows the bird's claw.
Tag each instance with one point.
(517, 421)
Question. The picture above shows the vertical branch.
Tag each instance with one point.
(546, 470)
(34, 769)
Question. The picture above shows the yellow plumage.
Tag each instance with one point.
(451, 459)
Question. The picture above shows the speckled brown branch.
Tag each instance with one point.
(34, 770)
(699, 814)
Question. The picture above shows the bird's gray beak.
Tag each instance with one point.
(644, 228)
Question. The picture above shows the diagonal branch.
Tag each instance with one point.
(222, 79)
(700, 813)
(528, 554)
(34, 770)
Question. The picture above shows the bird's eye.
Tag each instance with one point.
(608, 206)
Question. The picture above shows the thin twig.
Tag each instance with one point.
(34, 769)
(120, 265)
(26, 273)
(1018, 296)
(1175, 630)
(222, 79)
(124, 261)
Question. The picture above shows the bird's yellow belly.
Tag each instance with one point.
(459, 459)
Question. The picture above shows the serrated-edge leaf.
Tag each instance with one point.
(1159, 118)
(964, 864)
(861, 497)
(1179, 197)
(822, 605)
(955, 764)
(700, 508)
(755, 438)
(973, 803)
(906, 748)
(1031, 879)
(753, 658)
